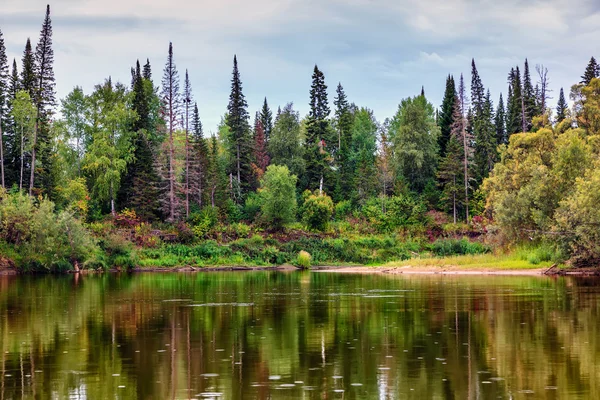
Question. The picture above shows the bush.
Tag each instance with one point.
(204, 221)
(342, 210)
(278, 196)
(118, 252)
(304, 260)
(252, 207)
(453, 247)
(317, 210)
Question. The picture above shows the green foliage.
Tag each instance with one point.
(389, 214)
(317, 210)
(117, 252)
(278, 196)
(453, 247)
(304, 260)
(342, 210)
(204, 220)
(252, 206)
(284, 144)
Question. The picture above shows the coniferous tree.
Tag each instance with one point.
(147, 70)
(500, 122)
(261, 158)
(446, 114)
(450, 176)
(316, 157)
(28, 72)
(266, 119)
(140, 187)
(485, 141)
(187, 100)
(514, 113)
(461, 131)
(477, 92)
(171, 109)
(240, 141)
(4, 87)
(562, 107)
(198, 160)
(345, 176)
(529, 99)
(362, 156)
(591, 71)
(13, 153)
(44, 99)
(285, 144)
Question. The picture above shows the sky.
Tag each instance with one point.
(380, 50)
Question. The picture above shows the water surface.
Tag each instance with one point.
(271, 335)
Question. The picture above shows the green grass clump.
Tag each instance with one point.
(304, 259)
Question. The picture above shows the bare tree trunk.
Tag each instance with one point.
(35, 132)
(112, 200)
(22, 156)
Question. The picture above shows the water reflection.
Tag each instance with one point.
(298, 335)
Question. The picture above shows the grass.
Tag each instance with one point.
(510, 261)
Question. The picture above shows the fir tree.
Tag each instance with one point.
(499, 122)
(44, 100)
(171, 109)
(562, 107)
(187, 100)
(4, 94)
(240, 141)
(485, 141)
(477, 92)
(345, 178)
(461, 131)
(445, 119)
(514, 114)
(139, 190)
(592, 71)
(450, 176)
(147, 70)
(261, 158)
(317, 134)
(529, 99)
(28, 72)
(266, 119)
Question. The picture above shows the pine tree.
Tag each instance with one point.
(499, 122)
(477, 92)
(187, 100)
(592, 71)
(316, 157)
(445, 116)
(529, 99)
(171, 109)
(4, 87)
(240, 141)
(562, 107)
(345, 176)
(198, 160)
(44, 99)
(266, 119)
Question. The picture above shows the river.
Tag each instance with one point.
(298, 335)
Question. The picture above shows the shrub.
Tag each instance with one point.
(252, 206)
(317, 210)
(304, 259)
(453, 247)
(127, 219)
(204, 221)
(343, 209)
(278, 196)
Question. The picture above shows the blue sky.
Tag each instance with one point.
(380, 50)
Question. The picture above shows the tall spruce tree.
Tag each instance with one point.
(461, 131)
(147, 70)
(500, 122)
(485, 141)
(187, 101)
(316, 157)
(266, 119)
(529, 99)
(591, 71)
(140, 187)
(514, 113)
(259, 149)
(445, 118)
(240, 141)
(44, 99)
(477, 92)
(343, 117)
(171, 99)
(562, 107)
(4, 87)
(13, 153)
(450, 176)
(198, 161)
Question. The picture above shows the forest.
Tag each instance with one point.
(125, 177)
